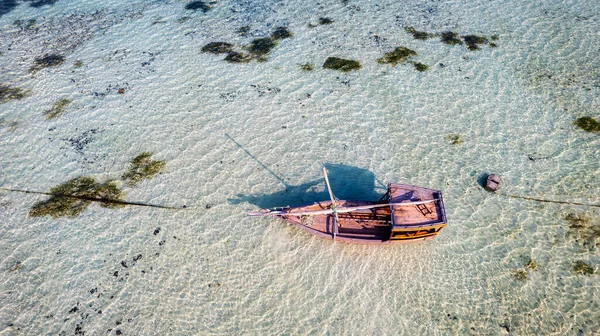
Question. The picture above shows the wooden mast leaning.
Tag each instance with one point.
(333, 205)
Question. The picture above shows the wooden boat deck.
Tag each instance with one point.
(421, 218)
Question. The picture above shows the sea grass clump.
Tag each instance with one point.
(281, 33)
(420, 66)
(262, 46)
(142, 168)
(473, 41)
(520, 274)
(451, 38)
(585, 230)
(341, 64)
(9, 93)
(417, 35)
(73, 197)
(237, 57)
(307, 67)
(217, 47)
(57, 109)
(583, 268)
(455, 139)
(46, 61)
(197, 5)
(398, 55)
(588, 124)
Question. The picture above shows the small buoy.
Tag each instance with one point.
(492, 183)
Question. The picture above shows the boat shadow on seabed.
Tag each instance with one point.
(347, 183)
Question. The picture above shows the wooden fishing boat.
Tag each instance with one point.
(404, 213)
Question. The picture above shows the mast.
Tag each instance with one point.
(333, 205)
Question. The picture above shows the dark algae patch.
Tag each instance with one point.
(237, 57)
(307, 67)
(418, 35)
(450, 38)
(143, 168)
(341, 64)
(197, 5)
(9, 93)
(281, 33)
(262, 46)
(398, 55)
(588, 124)
(73, 197)
(58, 108)
(420, 66)
(217, 47)
(46, 61)
(473, 41)
(583, 268)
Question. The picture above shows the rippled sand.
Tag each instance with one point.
(237, 137)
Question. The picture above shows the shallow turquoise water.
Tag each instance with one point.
(236, 137)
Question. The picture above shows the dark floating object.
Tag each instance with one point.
(217, 48)
(197, 5)
(492, 182)
(403, 214)
(281, 33)
(341, 64)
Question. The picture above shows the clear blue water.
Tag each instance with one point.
(238, 137)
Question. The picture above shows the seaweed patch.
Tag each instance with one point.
(583, 268)
(217, 47)
(454, 139)
(237, 57)
(281, 33)
(307, 67)
(9, 93)
(450, 38)
(341, 64)
(262, 46)
(57, 109)
(197, 5)
(142, 168)
(420, 66)
(74, 196)
(473, 41)
(398, 55)
(46, 61)
(588, 124)
(418, 35)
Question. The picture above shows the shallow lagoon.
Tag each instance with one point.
(236, 137)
